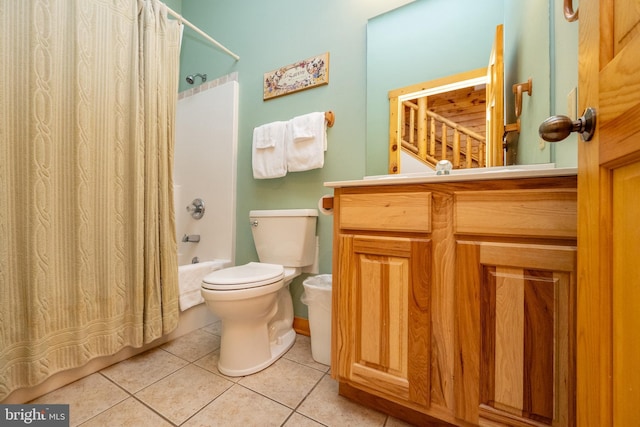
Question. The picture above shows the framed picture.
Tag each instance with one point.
(301, 75)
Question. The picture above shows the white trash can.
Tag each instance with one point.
(317, 295)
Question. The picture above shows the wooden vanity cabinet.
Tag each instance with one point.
(453, 303)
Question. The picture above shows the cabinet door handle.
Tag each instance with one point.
(569, 13)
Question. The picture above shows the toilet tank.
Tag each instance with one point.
(285, 236)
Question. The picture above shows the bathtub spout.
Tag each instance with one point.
(192, 238)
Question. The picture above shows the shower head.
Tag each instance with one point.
(191, 77)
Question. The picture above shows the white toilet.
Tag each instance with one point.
(253, 300)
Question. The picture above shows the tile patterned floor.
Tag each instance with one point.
(178, 384)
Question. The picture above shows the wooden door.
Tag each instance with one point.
(608, 335)
(495, 101)
(384, 317)
(514, 329)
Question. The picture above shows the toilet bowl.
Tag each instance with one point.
(256, 310)
(253, 300)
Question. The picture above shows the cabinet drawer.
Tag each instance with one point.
(386, 211)
(535, 213)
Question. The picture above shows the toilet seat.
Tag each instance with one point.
(248, 276)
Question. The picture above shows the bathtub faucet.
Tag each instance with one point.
(192, 238)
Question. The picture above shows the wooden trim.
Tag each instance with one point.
(466, 75)
(495, 101)
(301, 326)
(468, 390)
(395, 140)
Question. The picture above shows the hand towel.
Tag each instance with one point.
(268, 159)
(302, 127)
(306, 142)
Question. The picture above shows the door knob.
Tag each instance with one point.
(557, 128)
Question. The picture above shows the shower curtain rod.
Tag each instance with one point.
(199, 31)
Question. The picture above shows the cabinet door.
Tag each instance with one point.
(515, 325)
(383, 322)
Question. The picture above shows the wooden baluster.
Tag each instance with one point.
(444, 142)
(456, 149)
(468, 150)
(432, 142)
(412, 127)
(422, 127)
(403, 121)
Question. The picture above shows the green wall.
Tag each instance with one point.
(176, 5)
(540, 44)
(564, 78)
(266, 36)
(527, 55)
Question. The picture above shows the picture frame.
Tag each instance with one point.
(301, 75)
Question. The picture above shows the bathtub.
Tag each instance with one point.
(190, 279)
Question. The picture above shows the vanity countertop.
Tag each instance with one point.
(504, 172)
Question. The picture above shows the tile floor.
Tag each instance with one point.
(178, 384)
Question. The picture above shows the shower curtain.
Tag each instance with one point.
(88, 262)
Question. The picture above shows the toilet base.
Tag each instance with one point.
(277, 348)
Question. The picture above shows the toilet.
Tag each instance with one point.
(253, 300)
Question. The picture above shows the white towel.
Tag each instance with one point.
(190, 282)
(306, 142)
(302, 127)
(268, 159)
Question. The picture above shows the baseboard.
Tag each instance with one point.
(301, 326)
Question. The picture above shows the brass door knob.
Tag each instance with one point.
(557, 128)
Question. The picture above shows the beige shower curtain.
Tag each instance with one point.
(88, 260)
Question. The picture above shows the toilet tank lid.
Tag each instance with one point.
(283, 212)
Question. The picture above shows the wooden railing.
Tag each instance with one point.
(432, 137)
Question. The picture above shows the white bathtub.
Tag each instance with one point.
(190, 279)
